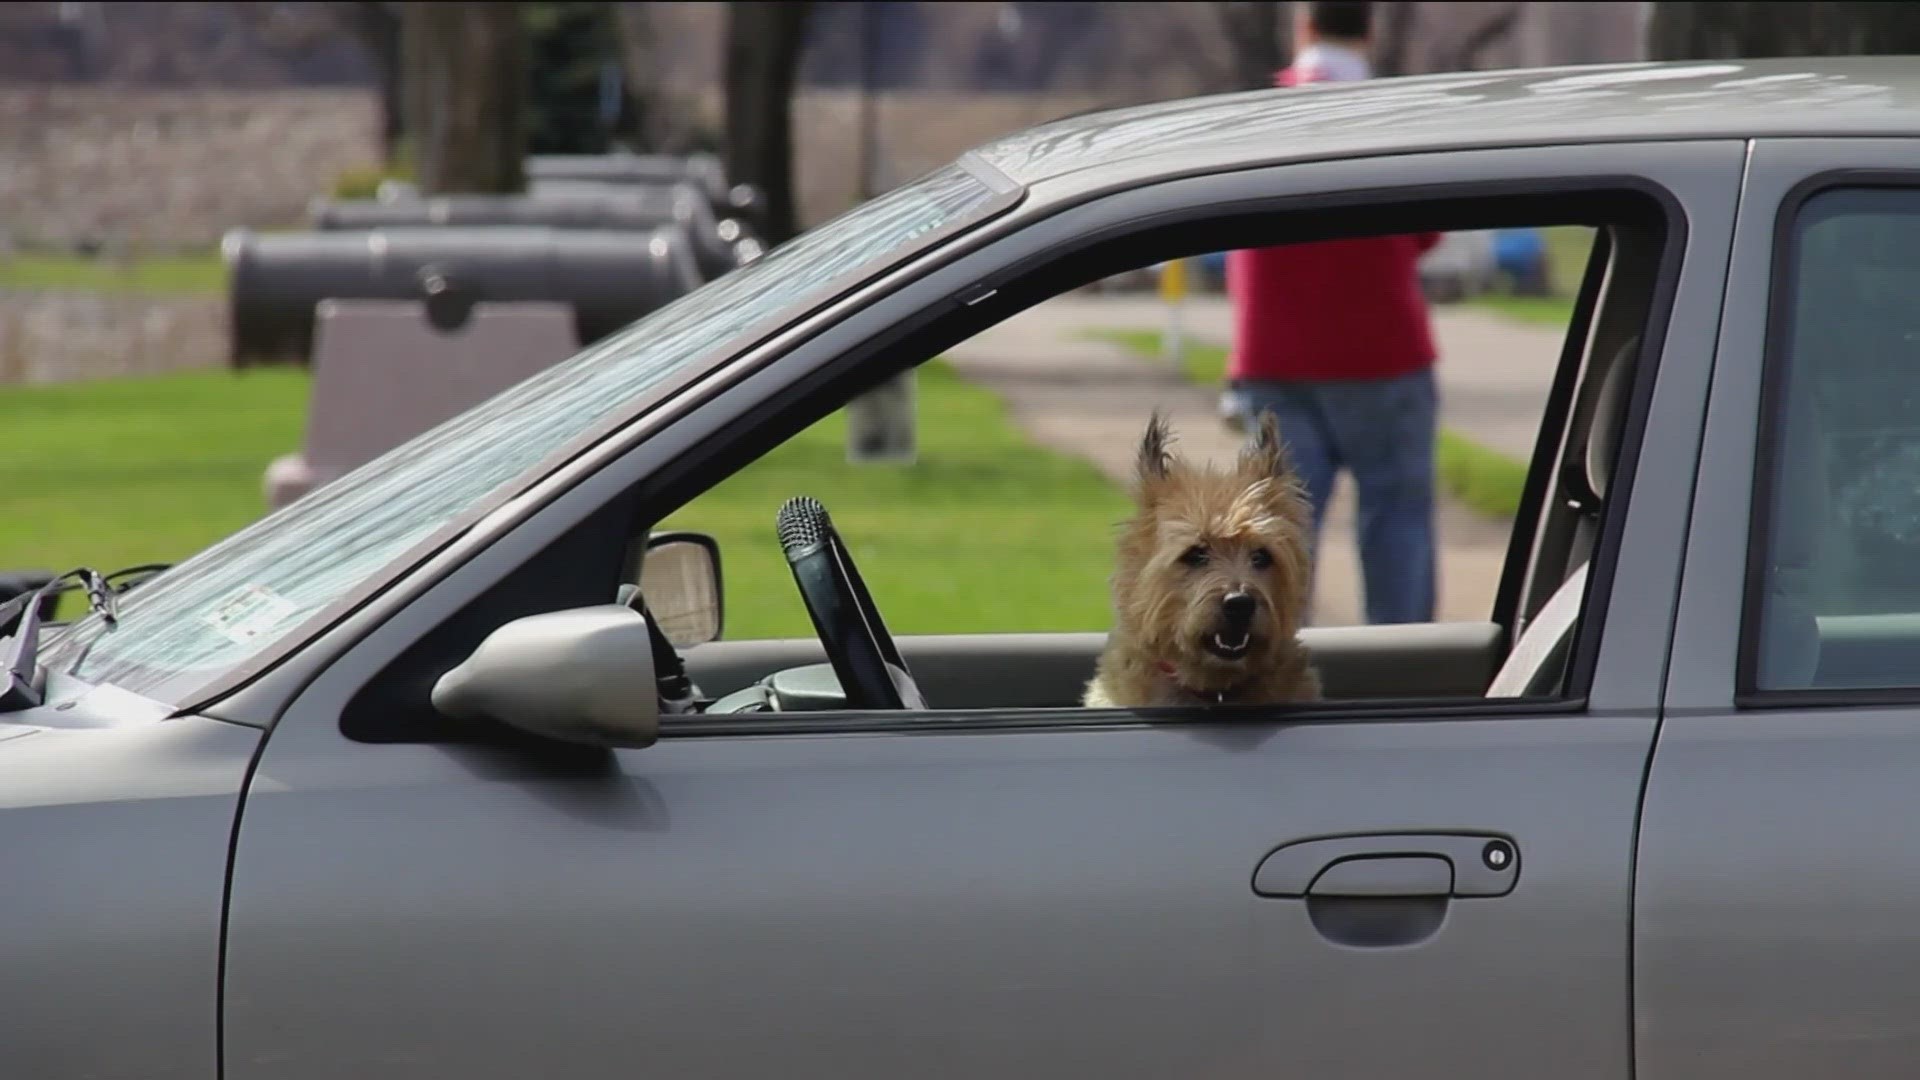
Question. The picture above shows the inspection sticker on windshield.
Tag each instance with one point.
(248, 612)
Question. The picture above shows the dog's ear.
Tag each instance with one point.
(1155, 461)
(1265, 458)
(1265, 455)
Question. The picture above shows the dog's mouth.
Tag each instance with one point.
(1230, 644)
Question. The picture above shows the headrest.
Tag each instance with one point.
(1608, 416)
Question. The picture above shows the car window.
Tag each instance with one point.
(185, 628)
(1835, 584)
(1003, 513)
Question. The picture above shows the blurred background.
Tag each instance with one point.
(142, 412)
(149, 129)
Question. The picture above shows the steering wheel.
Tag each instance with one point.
(863, 655)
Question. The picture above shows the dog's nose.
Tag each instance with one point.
(1238, 607)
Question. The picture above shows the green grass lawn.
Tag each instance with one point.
(985, 533)
(1484, 479)
(183, 274)
(1203, 364)
(123, 471)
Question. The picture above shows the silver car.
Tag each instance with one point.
(442, 772)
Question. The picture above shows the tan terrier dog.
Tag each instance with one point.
(1212, 576)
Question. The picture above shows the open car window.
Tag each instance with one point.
(990, 551)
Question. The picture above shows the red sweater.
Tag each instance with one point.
(1332, 310)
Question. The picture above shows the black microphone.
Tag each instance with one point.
(803, 527)
(819, 565)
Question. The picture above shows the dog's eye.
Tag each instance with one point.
(1194, 556)
(1261, 558)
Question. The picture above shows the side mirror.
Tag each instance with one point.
(680, 577)
(581, 676)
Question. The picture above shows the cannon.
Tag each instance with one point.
(704, 170)
(718, 245)
(609, 279)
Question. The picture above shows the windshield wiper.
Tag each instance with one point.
(22, 683)
(16, 600)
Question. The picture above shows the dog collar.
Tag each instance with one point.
(1172, 675)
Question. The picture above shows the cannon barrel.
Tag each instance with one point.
(716, 243)
(609, 278)
(705, 170)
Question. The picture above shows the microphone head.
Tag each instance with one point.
(802, 524)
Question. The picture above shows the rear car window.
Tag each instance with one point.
(1834, 598)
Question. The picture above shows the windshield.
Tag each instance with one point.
(187, 627)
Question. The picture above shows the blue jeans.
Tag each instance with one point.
(1382, 432)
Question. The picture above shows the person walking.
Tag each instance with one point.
(1333, 338)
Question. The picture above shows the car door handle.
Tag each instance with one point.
(1385, 875)
(1384, 865)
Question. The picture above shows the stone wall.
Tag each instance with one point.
(170, 170)
(917, 131)
(142, 171)
(165, 169)
(146, 171)
(136, 171)
(65, 337)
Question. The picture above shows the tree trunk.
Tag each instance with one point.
(643, 125)
(1483, 37)
(300, 29)
(764, 42)
(377, 25)
(1726, 30)
(393, 112)
(465, 71)
(573, 45)
(1258, 36)
(1735, 30)
(869, 121)
(1393, 31)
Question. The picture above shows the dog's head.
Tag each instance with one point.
(1214, 565)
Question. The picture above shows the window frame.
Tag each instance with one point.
(740, 419)
(1543, 477)
(1782, 290)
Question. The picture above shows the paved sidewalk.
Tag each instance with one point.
(1091, 398)
(1494, 373)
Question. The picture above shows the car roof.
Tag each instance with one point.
(1542, 106)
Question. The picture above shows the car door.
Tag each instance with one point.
(1778, 870)
(1432, 888)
